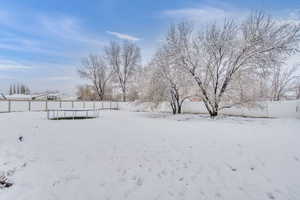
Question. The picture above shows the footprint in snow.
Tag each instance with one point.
(271, 196)
(20, 139)
(218, 195)
(139, 181)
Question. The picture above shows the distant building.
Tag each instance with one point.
(50, 97)
(54, 97)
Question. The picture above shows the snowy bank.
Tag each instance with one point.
(280, 109)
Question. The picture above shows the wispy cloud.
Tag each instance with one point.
(5, 77)
(123, 36)
(60, 78)
(69, 29)
(290, 16)
(58, 35)
(10, 65)
(205, 13)
(195, 12)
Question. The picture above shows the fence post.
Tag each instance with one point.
(9, 106)
(110, 105)
(84, 104)
(72, 104)
(102, 104)
(60, 104)
(94, 105)
(29, 105)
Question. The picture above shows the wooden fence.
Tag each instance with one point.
(43, 105)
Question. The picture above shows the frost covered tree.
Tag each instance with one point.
(124, 60)
(282, 80)
(297, 87)
(10, 90)
(153, 89)
(175, 84)
(215, 55)
(18, 89)
(22, 89)
(86, 92)
(14, 89)
(98, 72)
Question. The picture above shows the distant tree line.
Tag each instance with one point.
(18, 89)
(115, 69)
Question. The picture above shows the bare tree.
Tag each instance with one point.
(124, 59)
(154, 89)
(18, 89)
(297, 87)
(214, 56)
(95, 69)
(245, 89)
(175, 82)
(86, 92)
(10, 90)
(282, 80)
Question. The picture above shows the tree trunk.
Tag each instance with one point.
(276, 97)
(213, 111)
(213, 114)
(174, 110)
(124, 97)
(173, 106)
(179, 109)
(179, 106)
(124, 94)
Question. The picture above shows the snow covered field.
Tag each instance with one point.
(141, 156)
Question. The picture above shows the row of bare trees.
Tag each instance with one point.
(228, 64)
(117, 64)
(18, 89)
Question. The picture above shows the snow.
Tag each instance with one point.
(126, 155)
(278, 109)
(19, 97)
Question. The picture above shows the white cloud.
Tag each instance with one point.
(123, 36)
(69, 29)
(46, 34)
(60, 78)
(5, 77)
(205, 14)
(289, 16)
(10, 65)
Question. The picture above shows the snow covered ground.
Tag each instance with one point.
(141, 156)
(271, 109)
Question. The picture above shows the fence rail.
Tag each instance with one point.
(43, 105)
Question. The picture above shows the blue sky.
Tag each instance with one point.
(42, 42)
